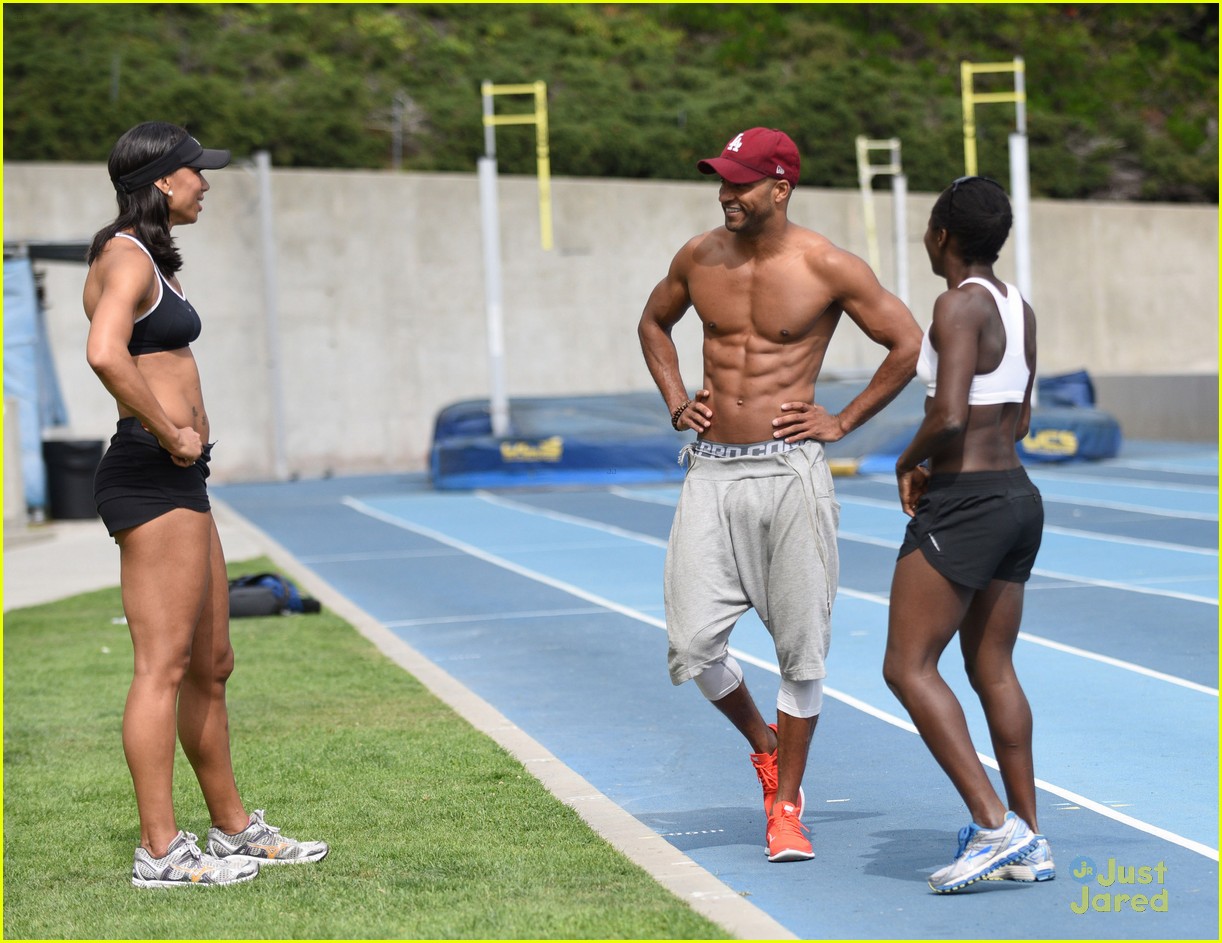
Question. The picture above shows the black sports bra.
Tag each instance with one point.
(169, 324)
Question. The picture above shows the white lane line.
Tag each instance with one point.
(1207, 467)
(363, 508)
(498, 617)
(1117, 663)
(1068, 650)
(569, 519)
(1047, 487)
(1054, 575)
(1126, 587)
(369, 511)
(645, 497)
(1044, 474)
(1057, 529)
(365, 557)
(1113, 482)
(1130, 541)
(1122, 506)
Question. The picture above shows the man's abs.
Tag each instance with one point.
(741, 417)
(748, 387)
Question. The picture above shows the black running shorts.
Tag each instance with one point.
(975, 527)
(137, 479)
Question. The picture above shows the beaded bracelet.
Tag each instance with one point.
(674, 417)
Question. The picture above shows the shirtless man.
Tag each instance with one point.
(755, 526)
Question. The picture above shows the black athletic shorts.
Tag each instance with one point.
(975, 527)
(137, 479)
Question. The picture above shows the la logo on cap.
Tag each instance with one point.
(754, 154)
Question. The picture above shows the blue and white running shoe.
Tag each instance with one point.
(1035, 865)
(982, 851)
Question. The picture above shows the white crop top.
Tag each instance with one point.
(1006, 384)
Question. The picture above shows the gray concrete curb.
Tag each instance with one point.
(675, 871)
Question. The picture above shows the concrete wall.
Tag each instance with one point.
(1167, 408)
(379, 279)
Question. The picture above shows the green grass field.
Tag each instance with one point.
(436, 832)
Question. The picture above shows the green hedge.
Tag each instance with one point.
(1123, 98)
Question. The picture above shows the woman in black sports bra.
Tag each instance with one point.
(151, 493)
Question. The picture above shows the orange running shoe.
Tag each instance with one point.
(765, 769)
(785, 839)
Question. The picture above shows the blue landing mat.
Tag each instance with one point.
(623, 439)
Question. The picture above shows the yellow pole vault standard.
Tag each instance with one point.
(543, 159)
(866, 172)
(1020, 172)
(498, 398)
(968, 71)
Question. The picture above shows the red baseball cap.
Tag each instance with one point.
(754, 154)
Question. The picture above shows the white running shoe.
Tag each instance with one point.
(184, 865)
(1035, 865)
(263, 844)
(982, 851)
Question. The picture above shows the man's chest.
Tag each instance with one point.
(769, 304)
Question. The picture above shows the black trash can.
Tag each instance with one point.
(70, 468)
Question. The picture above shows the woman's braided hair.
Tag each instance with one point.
(976, 211)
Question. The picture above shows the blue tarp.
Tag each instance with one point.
(29, 374)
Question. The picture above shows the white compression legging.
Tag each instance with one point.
(796, 698)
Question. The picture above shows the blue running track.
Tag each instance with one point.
(548, 605)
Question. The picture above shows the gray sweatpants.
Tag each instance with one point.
(753, 531)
